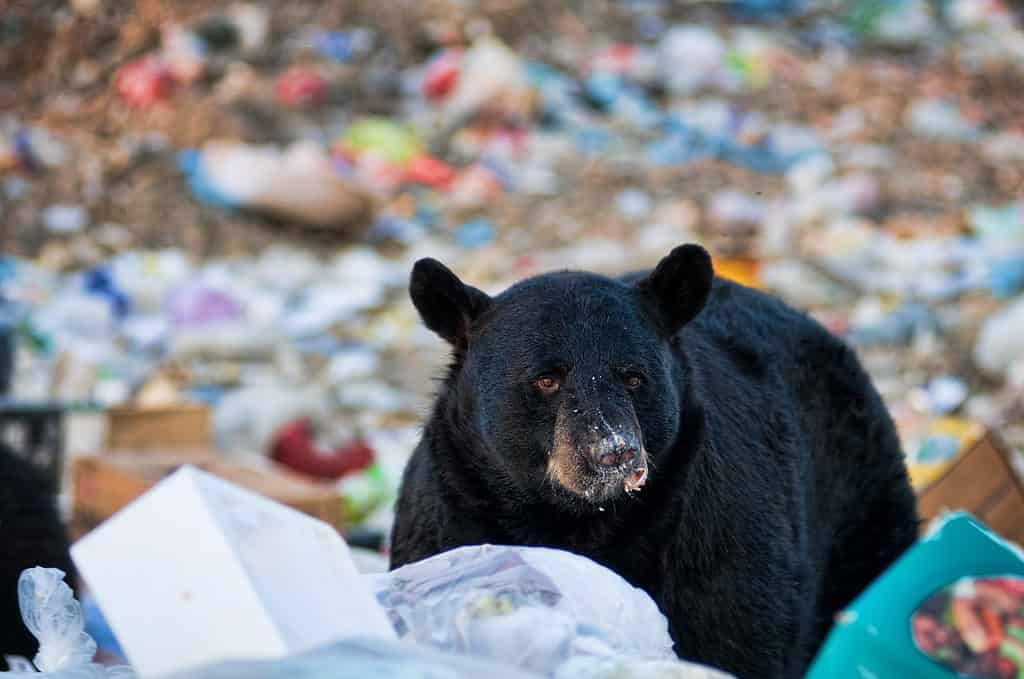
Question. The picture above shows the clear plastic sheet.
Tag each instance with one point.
(54, 617)
(546, 611)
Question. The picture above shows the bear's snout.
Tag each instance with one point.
(598, 454)
(616, 450)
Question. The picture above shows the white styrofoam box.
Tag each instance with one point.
(198, 570)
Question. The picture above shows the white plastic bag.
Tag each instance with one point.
(360, 658)
(543, 610)
(54, 618)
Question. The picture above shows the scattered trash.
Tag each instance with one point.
(146, 81)
(193, 305)
(633, 204)
(475, 233)
(861, 160)
(998, 344)
(65, 218)
(360, 658)
(883, 629)
(488, 601)
(294, 447)
(424, 169)
(183, 52)
(703, 52)
(301, 86)
(54, 617)
(470, 609)
(296, 183)
(255, 547)
(339, 46)
(935, 118)
(899, 23)
(941, 396)
(442, 74)
(491, 82)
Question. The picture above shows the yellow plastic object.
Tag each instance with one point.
(924, 471)
(742, 270)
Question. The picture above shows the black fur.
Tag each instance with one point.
(777, 488)
(31, 534)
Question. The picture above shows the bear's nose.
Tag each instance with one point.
(615, 451)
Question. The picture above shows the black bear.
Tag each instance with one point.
(710, 444)
(31, 534)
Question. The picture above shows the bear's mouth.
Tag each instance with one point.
(574, 474)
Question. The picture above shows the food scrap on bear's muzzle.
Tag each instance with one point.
(636, 479)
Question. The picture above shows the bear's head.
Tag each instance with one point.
(568, 380)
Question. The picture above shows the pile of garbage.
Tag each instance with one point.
(241, 224)
(515, 612)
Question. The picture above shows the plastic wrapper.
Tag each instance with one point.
(55, 618)
(397, 660)
(543, 610)
(360, 658)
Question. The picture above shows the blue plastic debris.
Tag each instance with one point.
(100, 282)
(683, 143)
(1006, 278)
(475, 233)
(336, 45)
(190, 163)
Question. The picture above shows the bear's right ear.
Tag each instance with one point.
(446, 304)
(679, 285)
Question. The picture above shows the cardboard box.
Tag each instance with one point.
(103, 485)
(199, 570)
(982, 481)
(178, 426)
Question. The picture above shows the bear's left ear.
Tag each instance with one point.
(446, 304)
(679, 285)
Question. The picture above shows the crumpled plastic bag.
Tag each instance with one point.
(54, 617)
(360, 659)
(543, 610)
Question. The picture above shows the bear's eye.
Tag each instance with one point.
(632, 380)
(547, 384)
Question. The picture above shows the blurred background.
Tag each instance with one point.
(208, 214)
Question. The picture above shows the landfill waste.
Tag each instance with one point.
(360, 658)
(934, 118)
(294, 447)
(372, 657)
(248, 419)
(230, 197)
(300, 86)
(529, 607)
(901, 625)
(146, 81)
(96, 627)
(899, 23)
(297, 182)
(491, 81)
(290, 577)
(65, 218)
(998, 345)
(53, 615)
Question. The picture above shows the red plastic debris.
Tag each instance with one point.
(294, 447)
(474, 187)
(301, 86)
(617, 59)
(145, 81)
(378, 174)
(442, 74)
(430, 171)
